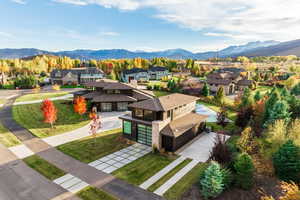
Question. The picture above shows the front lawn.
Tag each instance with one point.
(176, 191)
(40, 96)
(30, 116)
(89, 149)
(231, 127)
(91, 193)
(7, 138)
(45, 168)
(143, 168)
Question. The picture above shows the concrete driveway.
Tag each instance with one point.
(200, 149)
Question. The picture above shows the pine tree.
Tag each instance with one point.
(246, 98)
(296, 90)
(220, 95)
(244, 171)
(212, 181)
(257, 96)
(205, 90)
(279, 111)
(273, 98)
(286, 162)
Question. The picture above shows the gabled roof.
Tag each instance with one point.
(179, 126)
(110, 85)
(113, 98)
(134, 71)
(157, 69)
(164, 103)
(219, 81)
(245, 82)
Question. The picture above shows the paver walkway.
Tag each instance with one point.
(71, 183)
(118, 159)
(162, 173)
(88, 174)
(172, 181)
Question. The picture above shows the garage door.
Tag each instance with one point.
(144, 134)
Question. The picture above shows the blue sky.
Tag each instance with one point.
(145, 24)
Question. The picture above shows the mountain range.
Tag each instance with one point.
(258, 48)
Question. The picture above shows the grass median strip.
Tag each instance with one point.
(143, 168)
(176, 191)
(40, 96)
(91, 193)
(92, 148)
(171, 173)
(30, 117)
(45, 168)
(7, 138)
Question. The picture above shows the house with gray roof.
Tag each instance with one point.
(167, 122)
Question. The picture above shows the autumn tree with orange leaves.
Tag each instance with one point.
(49, 112)
(80, 105)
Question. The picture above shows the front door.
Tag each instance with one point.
(144, 134)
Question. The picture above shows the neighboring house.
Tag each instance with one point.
(76, 75)
(157, 72)
(230, 81)
(110, 96)
(167, 122)
(137, 74)
(192, 86)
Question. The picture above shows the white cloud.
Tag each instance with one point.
(241, 20)
(19, 1)
(7, 35)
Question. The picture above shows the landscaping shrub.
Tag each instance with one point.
(25, 82)
(212, 182)
(244, 142)
(296, 90)
(286, 162)
(221, 117)
(219, 98)
(205, 90)
(244, 171)
(243, 117)
(279, 111)
(227, 177)
(221, 152)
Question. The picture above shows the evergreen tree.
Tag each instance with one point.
(257, 96)
(286, 162)
(244, 171)
(273, 98)
(279, 111)
(246, 98)
(212, 182)
(220, 95)
(296, 90)
(205, 90)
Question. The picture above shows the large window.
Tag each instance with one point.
(144, 134)
(148, 115)
(127, 127)
(106, 107)
(122, 106)
(139, 113)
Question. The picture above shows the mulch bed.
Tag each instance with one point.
(269, 185)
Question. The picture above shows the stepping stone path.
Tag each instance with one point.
(21, 151)
(116, 160)
(71, 183)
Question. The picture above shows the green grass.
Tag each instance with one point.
(143, 168)
(176, 191)
(89, 149)
(44, 167)
(169, 175)
(91, 193)
(40, 96)
(30, 116)
(159, 93)
(7, 138)
(230, 126)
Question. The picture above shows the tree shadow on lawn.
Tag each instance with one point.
(31, 117)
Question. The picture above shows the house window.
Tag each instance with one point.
(106, 107)
(122, 106)
(139, 113)
(148, 115)
(169, 113)
(127, 127)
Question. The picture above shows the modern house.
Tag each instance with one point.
(157, 72)
(142, 75)
(76, 75)
(167, 122)
(110, 96)
(137, 74)
(230, 81)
